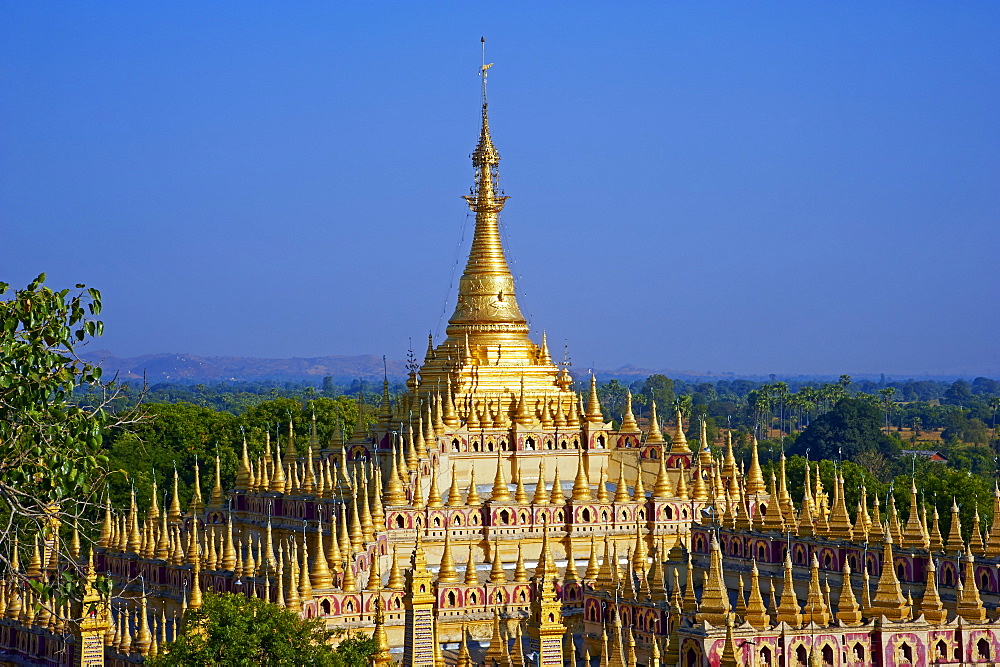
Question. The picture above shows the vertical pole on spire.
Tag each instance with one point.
(482, 71)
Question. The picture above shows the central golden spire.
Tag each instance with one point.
(488, 362)
(486, 297)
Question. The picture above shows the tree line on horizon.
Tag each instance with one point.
(863, 422)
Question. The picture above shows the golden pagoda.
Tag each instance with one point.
(487, 403)
(487, 350)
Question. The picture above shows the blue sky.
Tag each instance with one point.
(749, 187)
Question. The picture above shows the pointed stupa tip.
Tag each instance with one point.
(243, 473)
(629, 424)
(655, 435)
(466, 349)
(544, 356)
(500, 491)
(429, 355)
(594, 414)
(217, 499)
(680, 445)
(523, 416)
(638, 490)
(291, 454)
(486, 154)
(661, 488)
(557, 497)
(581, 484)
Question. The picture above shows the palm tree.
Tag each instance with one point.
(759, 402)
(612, 395)
(887, 403)
(828, 395)
(794, 403)
(809, 397)
(781, 395)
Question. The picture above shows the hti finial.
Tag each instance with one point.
(482, 70)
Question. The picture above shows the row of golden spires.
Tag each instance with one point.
(227, 559)
(819, 516)
(157, 539)
(713, 606)
(889, 601)
(886, 599)
(441, 415)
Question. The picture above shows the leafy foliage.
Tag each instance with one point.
(51, 461)
(236, 630)
(239, 396)
(174, 434)
(50, 446)
(659, 388)
(354, 650)
(852, 428)
(179, 434)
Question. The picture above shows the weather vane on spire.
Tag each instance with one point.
(482, 70)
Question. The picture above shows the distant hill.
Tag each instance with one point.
(168, 367)
(193, 368)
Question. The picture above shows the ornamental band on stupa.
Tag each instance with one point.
(492, 516)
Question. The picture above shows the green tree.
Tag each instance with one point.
(887, 404)
(977, 432)
(780, 393)
(612, 397)
(660, 388)
(808, 400)
(333, 415)
(173, 435)
(941, 486)
(235, 630)
(355, 650)
(178, 434)
(759, 404)
(274, 415)
(876, 463)
(959, 393)
(855, 476)
(958, 427)
(51, 463)
(693, 432)
(978, 459)
(683, 404)
(338, 414)
(850, 429)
